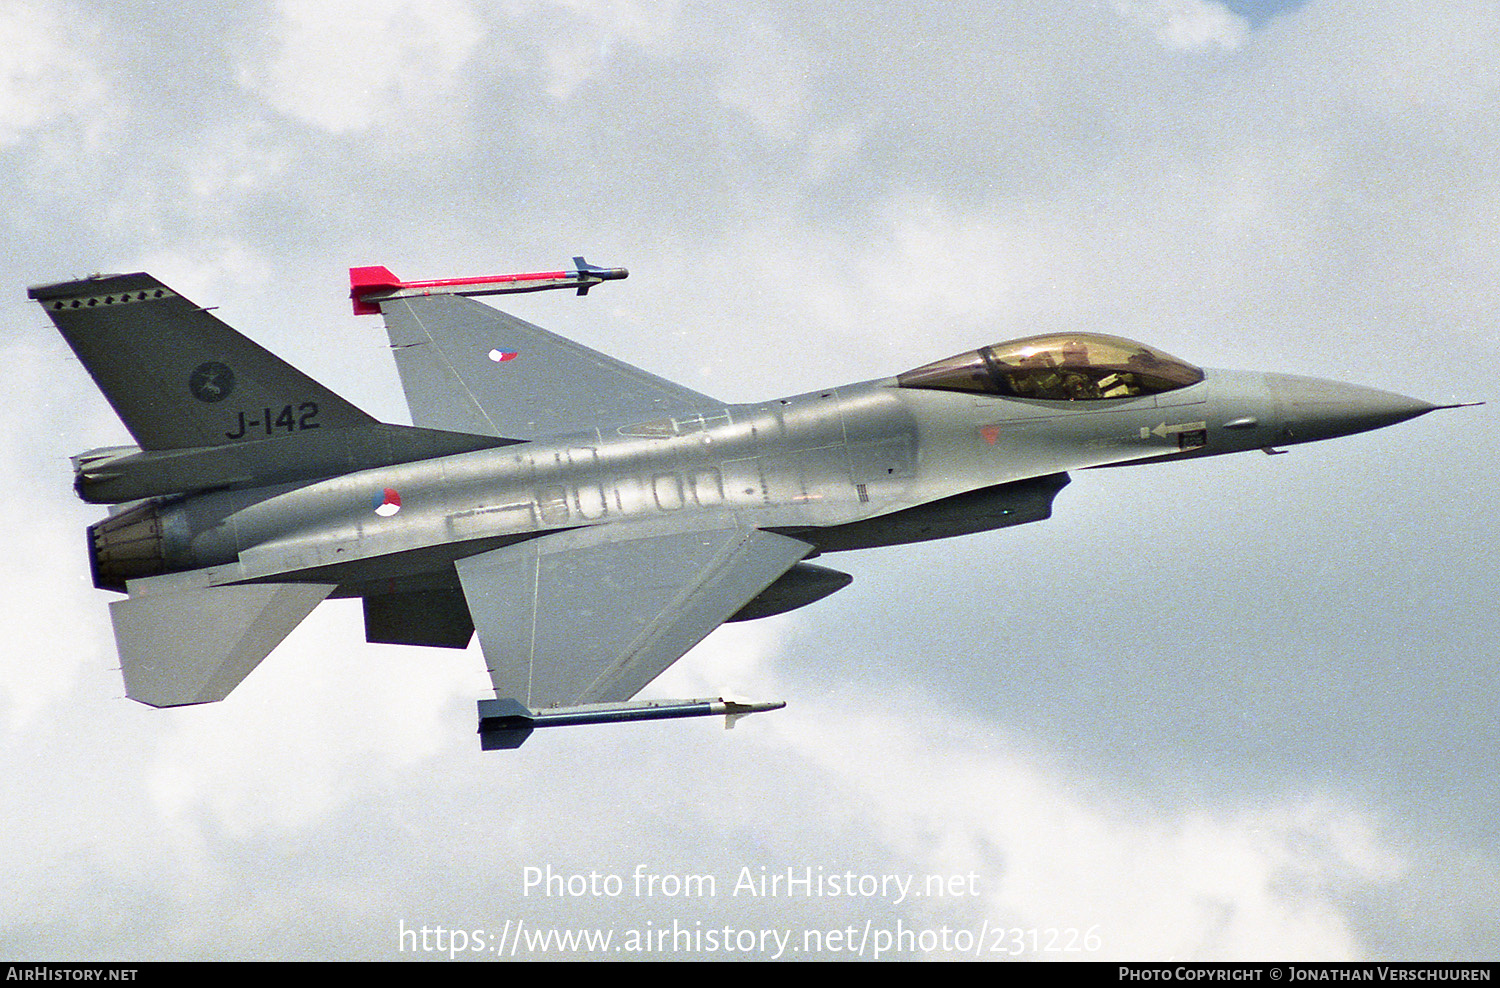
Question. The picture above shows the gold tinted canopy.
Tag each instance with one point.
(1058, 367)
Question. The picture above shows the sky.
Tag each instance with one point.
(1234, 708)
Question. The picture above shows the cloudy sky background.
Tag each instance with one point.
(1224, 709)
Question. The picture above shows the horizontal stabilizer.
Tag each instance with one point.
(194, 646)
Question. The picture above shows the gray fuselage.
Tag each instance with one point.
(825, 460)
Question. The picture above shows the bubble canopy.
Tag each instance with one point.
(1058, 367)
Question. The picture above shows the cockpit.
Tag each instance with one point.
(1058, 367)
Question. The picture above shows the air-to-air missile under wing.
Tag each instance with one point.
(591, 521)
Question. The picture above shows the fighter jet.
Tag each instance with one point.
(593, 522)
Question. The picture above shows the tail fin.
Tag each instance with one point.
(177, 376)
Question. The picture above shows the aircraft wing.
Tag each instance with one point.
(466, 367)
(592, 615)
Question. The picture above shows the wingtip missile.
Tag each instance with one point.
(593, 275)
(371, 285)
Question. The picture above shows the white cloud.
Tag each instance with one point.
(199, 271)
(344, 65)
(947, 794)
(954, 795)
(317, 724)
(587, 34)
(766, 81)
(48, 649)
(234, 159)
(46, 73)
(1187, 24)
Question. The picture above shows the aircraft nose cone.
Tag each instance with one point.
(1312, 408)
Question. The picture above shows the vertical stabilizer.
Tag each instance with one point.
(177, 376)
